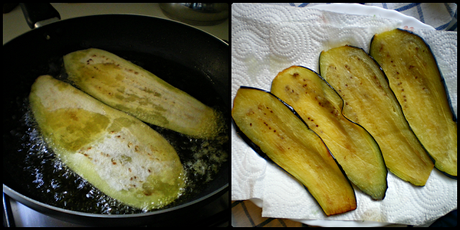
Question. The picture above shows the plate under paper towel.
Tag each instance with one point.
(266, 39)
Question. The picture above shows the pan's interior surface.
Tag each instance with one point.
(191, 60)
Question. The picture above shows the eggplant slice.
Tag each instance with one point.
(416, 81)
(115, 152)
(287, 141)
(132, 89)
(370, 102)
(321, 108)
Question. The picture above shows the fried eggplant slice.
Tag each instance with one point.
(132, 89)
(321, 108)
(287, 141)
(418, 85)
(115, 152)
(370, 102)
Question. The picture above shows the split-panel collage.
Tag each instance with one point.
(230, 114)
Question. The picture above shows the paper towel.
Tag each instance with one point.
(267, 39)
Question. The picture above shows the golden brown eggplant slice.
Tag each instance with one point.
(417, 83)
(321, 108)
(287, 141)
(370, 102)
(115, 152)
(132, 89)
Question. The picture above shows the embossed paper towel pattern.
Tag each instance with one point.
(267, 39)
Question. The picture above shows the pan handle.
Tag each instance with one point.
(39, 14)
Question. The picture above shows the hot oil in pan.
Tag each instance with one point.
(53, 183)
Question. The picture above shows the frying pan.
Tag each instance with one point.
(187, 58)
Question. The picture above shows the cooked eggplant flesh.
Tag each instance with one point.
(115, 152)
(370, 102)
(132, 89)
(321, 108)
(287, 141)
(418, 85)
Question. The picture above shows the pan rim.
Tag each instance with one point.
(14, 194)
(148, 17)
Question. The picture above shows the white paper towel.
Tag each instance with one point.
(267, 39)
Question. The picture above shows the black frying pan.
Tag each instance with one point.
(189, 59)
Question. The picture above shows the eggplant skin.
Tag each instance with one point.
(134, 90)
(115, 152)
(370, 102)
(287, 141)
(321, 108)
(414, 77)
